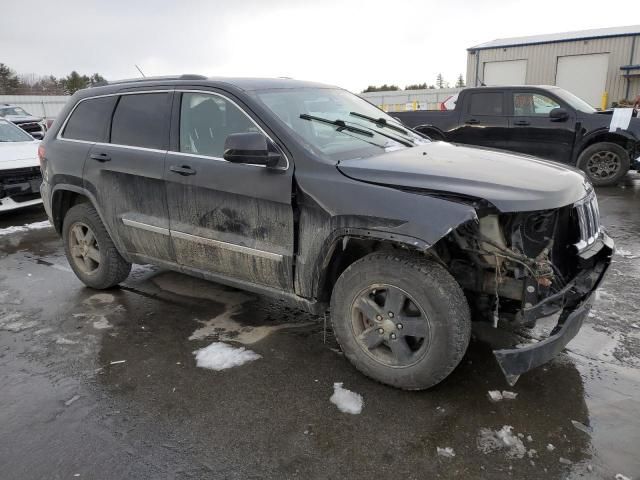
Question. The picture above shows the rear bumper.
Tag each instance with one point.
(573, 302)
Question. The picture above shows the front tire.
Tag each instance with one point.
(401, 319)
(90, 251)
(604, 163)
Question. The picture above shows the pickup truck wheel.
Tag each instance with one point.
(604, 163)
(89, 249)
(400, 319)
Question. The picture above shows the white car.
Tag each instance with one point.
(20, 176)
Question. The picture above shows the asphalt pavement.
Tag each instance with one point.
(104, 385)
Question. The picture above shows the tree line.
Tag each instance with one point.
(440, 83)
(12, 83)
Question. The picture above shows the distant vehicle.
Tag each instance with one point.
(34, 126)
(312, 195)
(547, 122)
(20, 176)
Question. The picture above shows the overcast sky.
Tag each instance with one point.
(347, 43)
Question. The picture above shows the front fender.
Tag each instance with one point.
(603, 135)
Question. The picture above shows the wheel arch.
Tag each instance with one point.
(431, 131)
(623, 138)
(347, 245)
(65, 196)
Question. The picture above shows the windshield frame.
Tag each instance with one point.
(18, 130)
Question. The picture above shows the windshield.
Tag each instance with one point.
(573, 101)
(10, 133)
(316, 115)
(4, 111)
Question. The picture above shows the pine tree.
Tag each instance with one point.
(9, 82)
(439, 81)
(460, 82)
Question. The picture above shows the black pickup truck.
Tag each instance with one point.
(544, 121)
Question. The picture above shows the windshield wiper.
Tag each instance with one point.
(341, 124)
(380, 122)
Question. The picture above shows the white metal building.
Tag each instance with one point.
(47, 106)
(401, 100)
(601, 66)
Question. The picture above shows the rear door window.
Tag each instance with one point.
(90, 120)
(142, 120)
(486, 103)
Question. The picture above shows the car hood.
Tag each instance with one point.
(22, 118)
(509, 181)
(18, 155)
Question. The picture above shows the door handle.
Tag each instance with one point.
(100, 157)
(472, 121)
(184, 170)
(521, 123)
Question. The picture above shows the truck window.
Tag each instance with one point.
(142, 120)
(205, 122)
(90, 119)
(485, 103)
(526, 104)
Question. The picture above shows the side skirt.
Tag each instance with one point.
(311, 306)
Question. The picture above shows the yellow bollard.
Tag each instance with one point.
(604, 100)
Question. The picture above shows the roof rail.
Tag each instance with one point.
(186, 76)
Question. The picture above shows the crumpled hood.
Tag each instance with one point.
(19, 155)
(509, 181)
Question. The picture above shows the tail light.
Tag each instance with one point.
(41, 156)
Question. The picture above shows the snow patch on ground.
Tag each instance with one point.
(25, 228)
(227, 329)
(491, 440)
(346, 400)
(497, 395)
(99, 298)
(60, 340)
(626, 253)
(101, 324)
(13, 322)
(220, 356)
(446, 452)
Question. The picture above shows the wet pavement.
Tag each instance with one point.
(104, 385)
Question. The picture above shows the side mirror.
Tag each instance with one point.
(558, 115)
(250, 147)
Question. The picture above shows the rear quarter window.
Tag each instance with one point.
(142, 120)
(89, 121)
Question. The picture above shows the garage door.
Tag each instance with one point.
(584, 76)
(513, 72)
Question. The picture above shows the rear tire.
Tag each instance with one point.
(604, 163)
(401, 319)
(90, 250)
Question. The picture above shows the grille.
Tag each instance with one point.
(588, 220)
(19, 175)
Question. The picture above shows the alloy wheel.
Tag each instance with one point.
(390, 326)
(603, 164)
(84, 248)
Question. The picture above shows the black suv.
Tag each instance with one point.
(310, 194)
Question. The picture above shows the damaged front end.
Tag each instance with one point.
(517, 268)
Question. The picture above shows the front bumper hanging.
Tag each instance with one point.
(573, 302)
